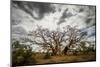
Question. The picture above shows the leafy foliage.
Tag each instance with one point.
(22, 54)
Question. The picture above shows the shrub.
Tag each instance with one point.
(22, 54)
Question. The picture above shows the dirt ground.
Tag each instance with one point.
(67, 59)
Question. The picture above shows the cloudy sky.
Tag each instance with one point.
(26, 16)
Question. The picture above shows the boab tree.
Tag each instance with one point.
(74, 36)
(54, 39)
(49, 39)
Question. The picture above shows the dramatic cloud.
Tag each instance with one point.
(35, 9)
(26, 16)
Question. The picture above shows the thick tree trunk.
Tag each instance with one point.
(67, 47)
(55, 52)
(65, 50)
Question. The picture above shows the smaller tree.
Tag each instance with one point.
(74, 36)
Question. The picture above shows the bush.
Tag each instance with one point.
(31, 60)
(22, 54)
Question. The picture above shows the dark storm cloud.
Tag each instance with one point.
(90, 15)
(64, 16)
(92, 10)
(92, 34)
(15, 22)
(30, 7)
(81, 10)
(90, 21)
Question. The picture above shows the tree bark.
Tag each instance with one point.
(67, 47)
(65, 50)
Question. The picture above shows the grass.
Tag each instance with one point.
(43, 58)
(66, 58)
